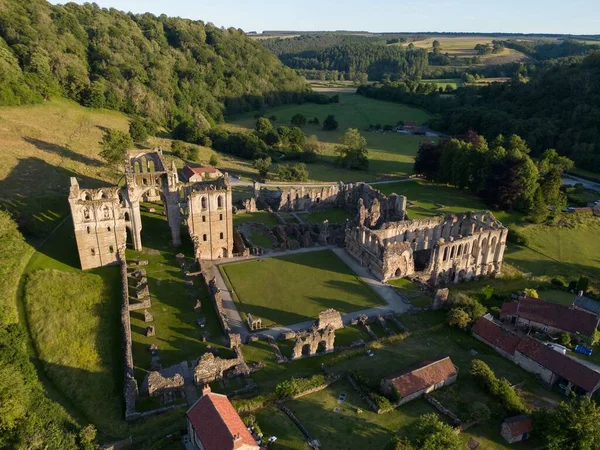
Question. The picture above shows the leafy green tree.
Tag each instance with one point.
(397, 443)
(296, 136)
(295, 172)
(583, 284)
(551, 190)
(530, 292)
(193, 153)
(479, 412)
(539, 210)
(572, 425)
(263, 126)
(188, 131)
(137, 130)
(564, 339)
(94, 97)
(353, 152)
(433, 434)
(214, 160)
(298, 120)
(262, 165)
(458, 318)
(469, 305)
(330, 124)
(179, 149)
(311, 149)
(115, 144)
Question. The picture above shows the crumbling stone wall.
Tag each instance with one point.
(310, 340)
(329, 318)
(211, 368)
(101, 217)
(158, 384)
(436, 250)
(130, 386)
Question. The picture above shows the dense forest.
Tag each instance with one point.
(543, 50)
(557, 107)
(353, 56)
(165, 69)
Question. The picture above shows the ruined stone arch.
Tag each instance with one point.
(105, 212)
(493, 246)
(86, 213)
(484, 247)
(86, 196)
(452, 252)
(445, 258)
(459, 251)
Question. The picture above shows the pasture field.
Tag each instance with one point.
(464, 47)
(389, 153)
(296, 288)
(74, 321)
(443, 82)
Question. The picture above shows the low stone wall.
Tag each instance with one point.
(441, 408)
(217, 299)
(130, 387)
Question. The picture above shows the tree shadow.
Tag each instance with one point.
(63, 152)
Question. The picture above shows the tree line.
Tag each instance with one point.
(165, 69)
(501, 172)
(557, 107)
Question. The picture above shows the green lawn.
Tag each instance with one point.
(555, 296)
(389, 153)
(261, 239)
(257, 217)
(178, 336)
(274, 422)
(294, 288)
(334, 215)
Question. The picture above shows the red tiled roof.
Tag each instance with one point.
(496, 335)
(216, 422)
(424, 375)
(190, 171)
(554, 315)
(519, 425)
(563, 365)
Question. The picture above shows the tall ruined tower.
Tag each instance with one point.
(210, 219)
(99, 224)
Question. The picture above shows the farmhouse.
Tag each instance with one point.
(516, 428)
(492, 334)
(194, 174)
(553, 367)
(213, 424)
(426, 377)
(531, 313)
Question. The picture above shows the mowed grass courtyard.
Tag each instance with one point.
(295, 288)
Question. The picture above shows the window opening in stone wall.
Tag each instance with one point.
(203, 202)
(220, 201)
(221, 235)
(204, 237)
(111, 249)
(93, 251)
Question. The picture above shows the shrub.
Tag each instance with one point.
(294, 386)
(433, 434)
(559, 282)
(516, 236)
(479, 412)
(499, 388)
(179, 149)
(583, 284)
(137, 130)
(564, 339)
(458, 318)
(487, 292)
(214, 160)
(381, 401)
(469, 305)
(330, 124)
(298, 120)
(530, 292)
(253, 403)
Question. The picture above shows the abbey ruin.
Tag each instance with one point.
(103, 217)
(441, 249)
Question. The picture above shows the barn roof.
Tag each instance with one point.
(496, 335)
(519, 425)
(425, 374)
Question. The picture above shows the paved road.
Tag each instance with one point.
(570, 180)
(394, 302)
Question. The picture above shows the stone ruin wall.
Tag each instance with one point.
(370, 205)
(437, 250)
(210, 219)
(130, 386)
(101, 217)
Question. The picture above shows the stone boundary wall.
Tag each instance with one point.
(362, 394)
(217, 299)
(441, 408)
(294, 419)
(130, 387)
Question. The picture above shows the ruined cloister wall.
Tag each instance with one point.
(440, 249)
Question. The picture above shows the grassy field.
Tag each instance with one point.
(257, 217)
(389, 153)
(178, 336)
(274, 422)
(295, 288)
(261, 239)
(334, 215)
(464, 47)
(443, 82)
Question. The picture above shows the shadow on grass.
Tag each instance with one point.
(63, 152)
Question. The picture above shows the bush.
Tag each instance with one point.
(381, 401)
(516, 236)
(530, 292)
(330, 124)
(214, 160)
(433, 434)
(458, 318)
(559, 282)
(294, 386)
(487, 292)
(479, 412)
(298, 120)
(253, 403)
(499, 388)
(564, 339)
(469, 305)
(137, 130)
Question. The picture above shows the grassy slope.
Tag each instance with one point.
(389, 153)
(296, 288)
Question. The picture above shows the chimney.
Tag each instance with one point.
(206, 390)
(237, 441)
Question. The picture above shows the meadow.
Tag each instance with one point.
(389, 153)
(296, 288)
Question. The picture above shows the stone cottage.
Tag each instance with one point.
(517, 428)
(427, 376)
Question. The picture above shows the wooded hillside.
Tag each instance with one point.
(166, 69)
